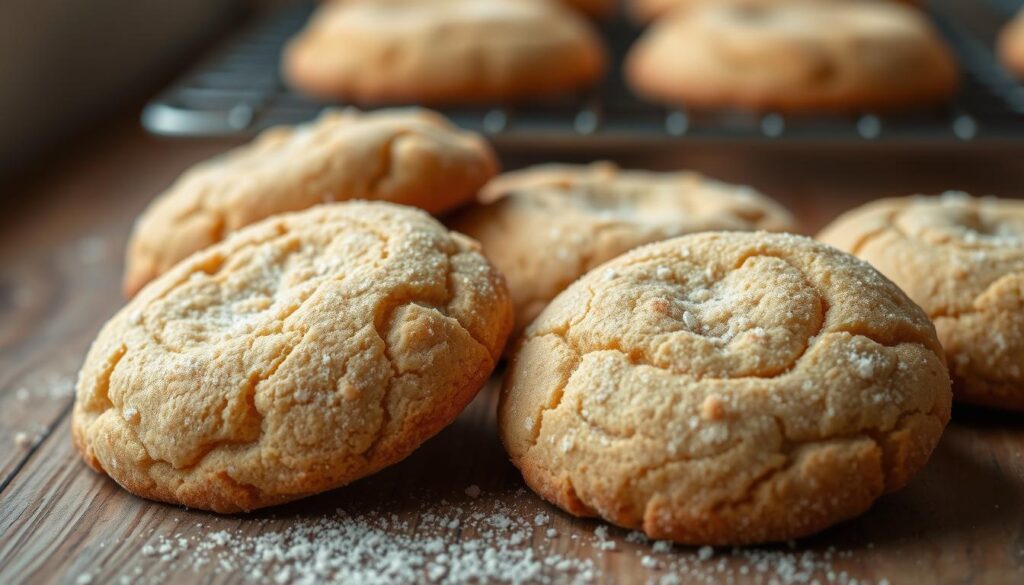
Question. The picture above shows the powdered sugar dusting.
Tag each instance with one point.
(486, 539)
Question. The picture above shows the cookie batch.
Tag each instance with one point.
(308, 309)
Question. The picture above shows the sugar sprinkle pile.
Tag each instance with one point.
(483, 539)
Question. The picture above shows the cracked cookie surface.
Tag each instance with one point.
(444, 51)
(793, 56)
(545, 226)
(412, 157)
(725, 388)
(962, 259)
(300, 354)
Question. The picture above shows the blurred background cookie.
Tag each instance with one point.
(647, 10)
(1011, 45)
(793, 56)
(962, 259)
(413, 157)
(725, 388)
(545, 226)
(300, 354)
(444, 51)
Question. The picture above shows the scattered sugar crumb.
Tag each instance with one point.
(473, 491)
(22, 439)
(863, 364)
(690, 321)
(497, 545)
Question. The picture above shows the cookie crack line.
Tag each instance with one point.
(387, 162)
(380, 323)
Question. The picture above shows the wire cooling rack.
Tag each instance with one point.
(237, 91)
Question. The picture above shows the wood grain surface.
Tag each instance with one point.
(62, 235)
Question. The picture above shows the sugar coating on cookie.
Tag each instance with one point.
(300, 354)
(793, 56)
(413, 157)
(444, 51)
(725, 388)
(545, 226)
(1011, 45)
(962, 259)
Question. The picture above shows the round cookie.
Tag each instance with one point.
(444, 51)
(300, 354)
(546, 226)
(647, 10)
(793, 57)
(962, 260)
(725, 388)
(413, 157)
(1011, 45)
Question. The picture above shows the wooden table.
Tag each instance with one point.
(62, 233)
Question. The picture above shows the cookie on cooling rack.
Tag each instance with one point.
(795, 56)
(725, 388)
(545, 226)
(300, 354)
(444, 51)
(413, 157)
(962, 259)
(647, 10)
(1011, 45)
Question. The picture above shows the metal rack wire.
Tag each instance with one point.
(238, 91)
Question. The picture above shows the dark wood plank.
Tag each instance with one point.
(61, 240)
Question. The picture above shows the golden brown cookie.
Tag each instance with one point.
(1011, 45)
(444, 51)
(647, 10)
(793, 57)
(546, 226)
(300, 354)
(962, 260)
(413, 157)
(725, 388)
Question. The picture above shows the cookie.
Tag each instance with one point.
(1011, 45)
(793, 57)
(298, 355)
(725, 388)
(962, 259)
(647, 10)
(444, 51)
(413, 157)
(545, 226)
